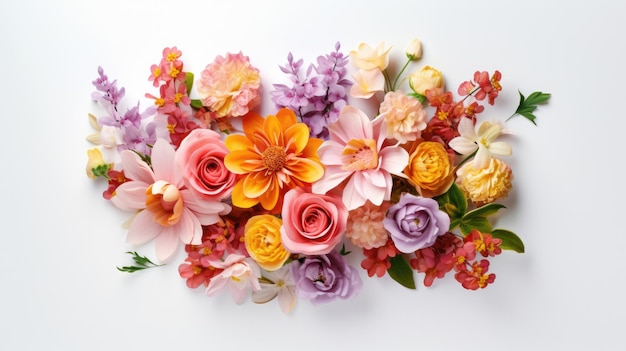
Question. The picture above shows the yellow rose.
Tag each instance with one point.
(485, 185)
(426, 78)
(429, 169)
(262, 239)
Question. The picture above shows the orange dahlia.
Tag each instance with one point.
(273, 155)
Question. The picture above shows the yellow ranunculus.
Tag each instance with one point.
(427, 78)
(262, 239)
(429, 169)
(485, 185)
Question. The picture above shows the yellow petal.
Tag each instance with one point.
(269, 199)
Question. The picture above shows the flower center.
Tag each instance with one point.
(360, 154)
(274, 158)
(163, 200)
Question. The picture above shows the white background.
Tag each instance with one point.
(61, 241)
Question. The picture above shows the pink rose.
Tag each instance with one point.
(200, 158)
(312, 223)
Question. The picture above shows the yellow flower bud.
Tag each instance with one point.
(426, 78)
(96, 167)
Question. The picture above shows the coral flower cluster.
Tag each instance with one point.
(273, 207)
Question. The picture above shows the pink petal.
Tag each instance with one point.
(351, 196)
(267, 293)
(394, 159)
(368, 190)
(352, 124)
(189, 228)
(333, 176)
(287, 299)
(330, 153)
(135, 168)
(375, 177)
(143, 229)
(166, 243)
(163, 162)
(217, 284)
(130, 196)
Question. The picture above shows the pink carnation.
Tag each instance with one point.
(404, 116)
(365, 226)
(230, 86)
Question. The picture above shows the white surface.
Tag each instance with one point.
(62, 241)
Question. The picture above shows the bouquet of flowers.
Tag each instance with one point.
(278, 206)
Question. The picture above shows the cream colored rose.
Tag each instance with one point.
(426, 78)
(485, 185)
(262, 239)
(429, 169)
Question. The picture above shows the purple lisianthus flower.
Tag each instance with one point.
(323, 278)
(415, 222)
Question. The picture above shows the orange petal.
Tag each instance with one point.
(255, 184)
(243, 161)
(269, 199)
(310, 151)
(238, 142)
(252, 122)
(239, 199)
(273, 131)
(297, 137)
(305, 169)
(286, 117)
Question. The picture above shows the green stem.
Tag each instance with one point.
(387, 81)
(466, 159)
(395, 81)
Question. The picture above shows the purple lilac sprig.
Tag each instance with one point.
(134, 135)
(318, 94)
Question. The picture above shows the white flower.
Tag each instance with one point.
(277, 284)
(483, 140)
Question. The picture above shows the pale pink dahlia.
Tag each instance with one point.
(230, 86)
(356, 152)
(365, 226)
(404, 116)
(168, 212)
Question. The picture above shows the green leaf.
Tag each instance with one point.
(141, 262)
(195, 103)
(421, 98)
(484, 211)
(528, 105)
(188, 82)
(343, 251)
(479, 223)
(401, 272)
(454, 203)
(510, 240)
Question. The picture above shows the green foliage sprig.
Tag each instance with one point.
(141, 262)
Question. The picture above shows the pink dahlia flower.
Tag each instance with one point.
(230, 86)
(356, 152)
(168, 211)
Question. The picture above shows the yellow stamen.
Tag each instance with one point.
(274, 158)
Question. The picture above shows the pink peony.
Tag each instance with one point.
(365, 226)
(230, 86)
(312, 224)
(404, 116)
(356, 152)
(200, 158)
(168, 212)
